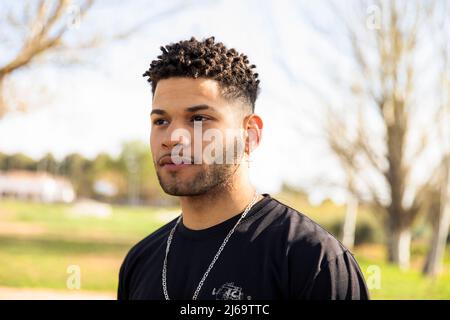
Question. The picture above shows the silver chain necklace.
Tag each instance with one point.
(169, 241)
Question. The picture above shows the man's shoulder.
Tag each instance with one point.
(303, 235)
(150, 242)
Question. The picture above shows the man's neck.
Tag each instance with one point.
(207, 210)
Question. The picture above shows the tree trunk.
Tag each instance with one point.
(3, 107)
(399, 243)
(435, 255)
(350, 222)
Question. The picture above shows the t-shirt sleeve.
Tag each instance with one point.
(124, 274)
(121, 289)
(339, 279)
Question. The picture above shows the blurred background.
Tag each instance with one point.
(355, 98)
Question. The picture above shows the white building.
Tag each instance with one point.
(39, 186)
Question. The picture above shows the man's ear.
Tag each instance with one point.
(253, 129)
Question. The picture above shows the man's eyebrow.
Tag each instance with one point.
(158, 111)
(199, 107)
(189, 109)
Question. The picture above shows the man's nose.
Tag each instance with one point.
(177, 136)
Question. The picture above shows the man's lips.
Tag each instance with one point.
(174, 167)
(168, 163)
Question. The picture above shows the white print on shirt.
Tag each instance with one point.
(229, 291)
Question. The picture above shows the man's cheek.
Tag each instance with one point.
(153, 143)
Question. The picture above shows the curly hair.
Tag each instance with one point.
(207, 59)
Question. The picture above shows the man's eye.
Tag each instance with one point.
(199, 118)
(158, 122)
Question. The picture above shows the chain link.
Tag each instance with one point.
(222, 246)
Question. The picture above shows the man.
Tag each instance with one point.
(229, 241)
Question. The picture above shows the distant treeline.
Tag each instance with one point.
(131, 175)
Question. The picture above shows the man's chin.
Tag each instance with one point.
(183, 188)
(181, 192)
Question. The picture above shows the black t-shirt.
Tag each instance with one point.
(275, 252)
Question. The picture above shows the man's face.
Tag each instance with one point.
(187, 116)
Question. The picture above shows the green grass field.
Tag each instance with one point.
(38, 242)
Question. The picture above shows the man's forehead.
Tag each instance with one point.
(184, 88)
(185, 94)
